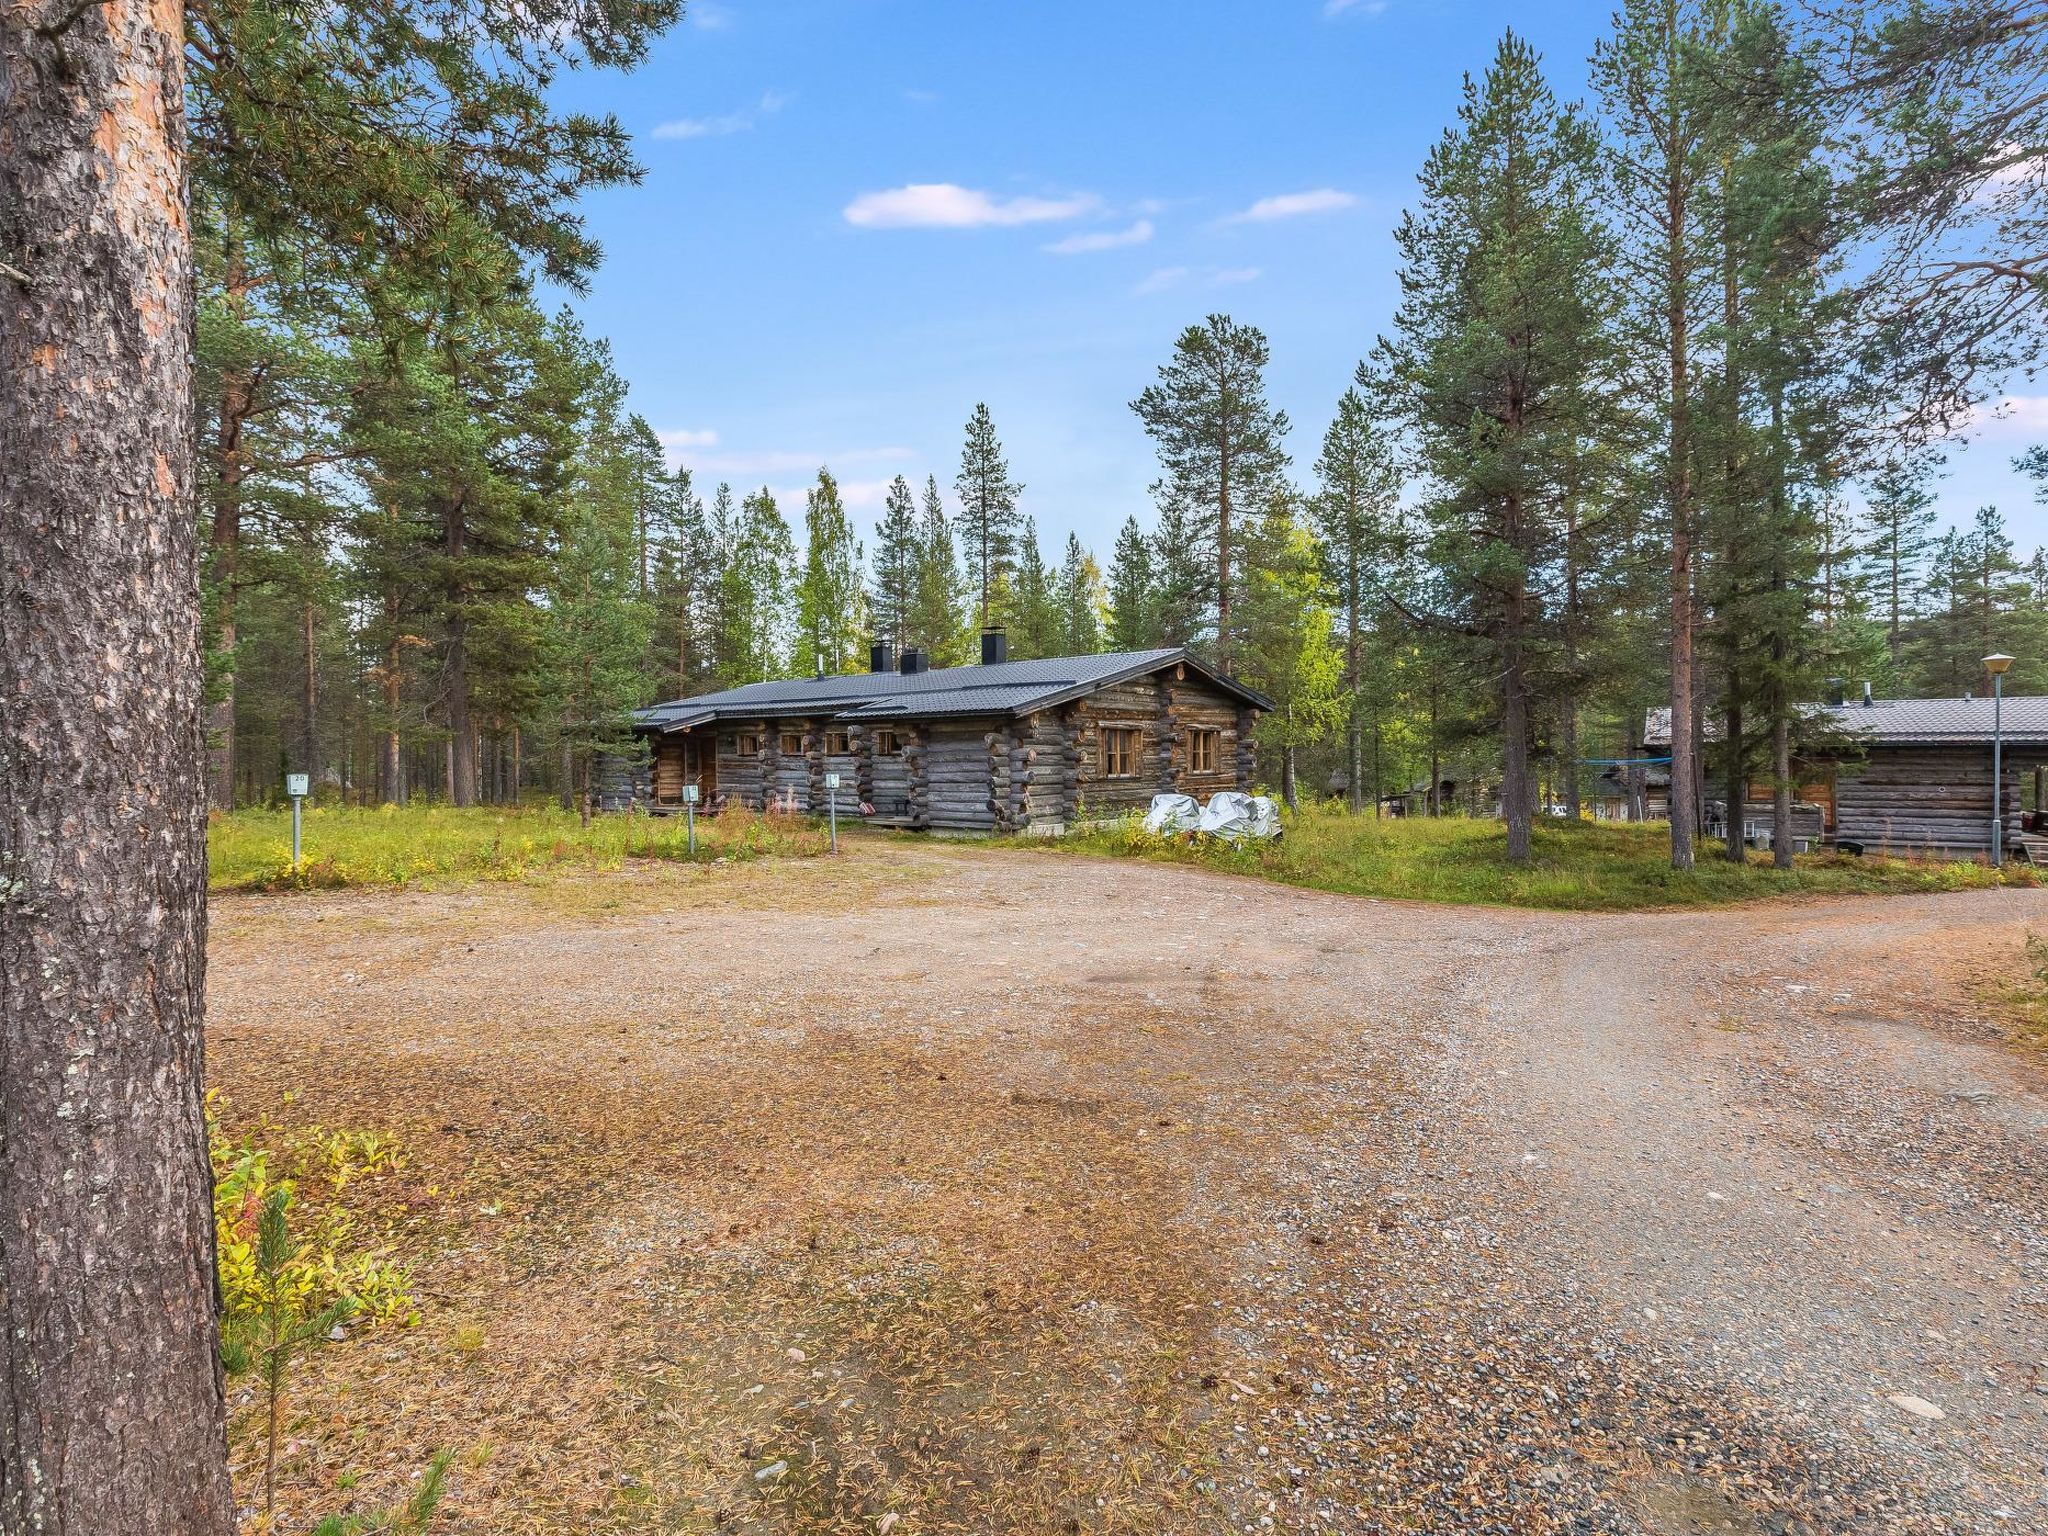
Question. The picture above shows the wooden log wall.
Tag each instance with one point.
(742, 779)
(956, 775)
(1934, 800)
(1044, 772)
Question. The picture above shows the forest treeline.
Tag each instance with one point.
(1658, 421)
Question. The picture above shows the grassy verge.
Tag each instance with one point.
(1587, 866)
(2022, 1001)
(389, 846)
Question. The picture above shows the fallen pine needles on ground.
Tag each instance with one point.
(399, 846)
(1582, 866)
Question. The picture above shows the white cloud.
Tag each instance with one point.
(921, 98)
(1103, 240)
(1213, 277)
(709, 18)
(1334, 8)
(1292, 205)
(771, 102)
(2020, 416)
(687, 437)
(942, 205)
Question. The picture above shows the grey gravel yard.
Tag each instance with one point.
(994, 1191)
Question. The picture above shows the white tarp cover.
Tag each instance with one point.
(1173, 813)
(1232, 815)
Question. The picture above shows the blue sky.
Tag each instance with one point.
(861, 217)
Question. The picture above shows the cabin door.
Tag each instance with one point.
(700, 765)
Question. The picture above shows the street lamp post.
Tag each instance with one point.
(1996, 665)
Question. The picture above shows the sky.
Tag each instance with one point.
(862, 217)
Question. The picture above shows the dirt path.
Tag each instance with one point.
(1002, 1191)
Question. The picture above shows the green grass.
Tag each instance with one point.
(1587, 866)
(438, 845)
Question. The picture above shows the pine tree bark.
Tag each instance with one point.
(309, 703)
(111, 1405)
(224, 540)
(1735, 784)
(461, 734)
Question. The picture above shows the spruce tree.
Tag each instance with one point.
(1032, 611)
(1900, 521)
(1355, 511)
(1079, 601)
(831, 613)
(1133, 617)
(892, 588)
(1220, 447)
(938, 619)
(988, 508)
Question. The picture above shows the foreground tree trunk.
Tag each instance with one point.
(111, 1408)
(1735, 783)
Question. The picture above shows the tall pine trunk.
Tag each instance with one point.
(1735, 784)
(309, 723)
(112, 1417)
(461, 734)
(224, 540)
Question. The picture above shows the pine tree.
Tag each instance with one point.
(1659, 159)
(1497, 343)
(988, 508)
(892, 589)
(1133, 618)
(1219, 443)
(831, 608)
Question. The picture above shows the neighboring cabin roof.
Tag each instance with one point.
(1910, 722)
(1006, 688)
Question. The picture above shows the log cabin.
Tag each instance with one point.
(1916, 778)
(1006, 746)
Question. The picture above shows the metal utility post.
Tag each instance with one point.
(1996, 665)
(296, 785)
(690, 815)
(832, 807)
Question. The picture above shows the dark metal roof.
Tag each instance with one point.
(1006, 688)
(1910, 722)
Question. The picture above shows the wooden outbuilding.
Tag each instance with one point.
(1006, 746)
(1912, 776)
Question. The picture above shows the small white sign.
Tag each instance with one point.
(689, 794)
(296, 785)
(831, 781)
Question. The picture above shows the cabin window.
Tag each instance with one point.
(887, 744)
(836, 744)
(1202, 751)
(792, 744)
(749, 744)
(1119, 752)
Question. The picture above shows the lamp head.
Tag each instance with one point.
(1996, 663)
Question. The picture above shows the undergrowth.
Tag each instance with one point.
(1582, 866)
(440, 845)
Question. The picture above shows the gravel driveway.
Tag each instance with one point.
(1013, 1191)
